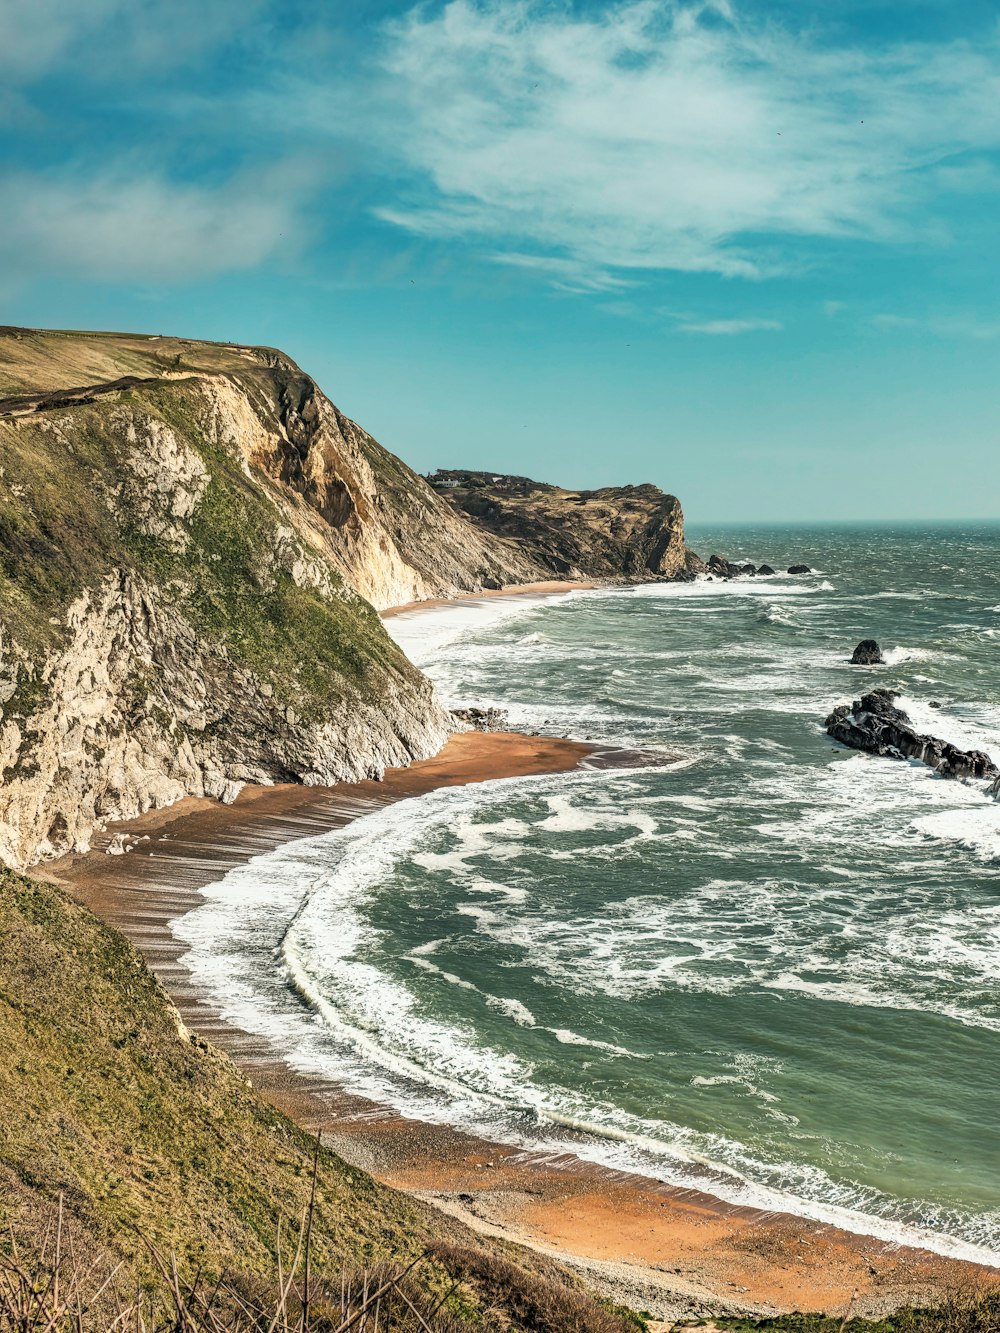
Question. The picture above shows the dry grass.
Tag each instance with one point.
(59, 1291)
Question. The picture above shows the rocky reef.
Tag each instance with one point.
(719, 567)
(874, 724)
(617, 532)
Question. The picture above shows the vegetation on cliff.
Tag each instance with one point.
(154, 1141)
(617, 532)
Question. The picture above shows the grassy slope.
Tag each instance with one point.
(145, 1131)
(104, 1100)
(60, 532)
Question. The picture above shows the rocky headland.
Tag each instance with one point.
(616, 533)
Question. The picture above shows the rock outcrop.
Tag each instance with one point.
(618, 532)
(799, 569)
(867, 653)
(874, 724)
(481, 719)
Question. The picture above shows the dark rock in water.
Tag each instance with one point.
(874, 724)
(868, 653)
(726, 569)
(482, 719)
(799, 569)
(764, 569)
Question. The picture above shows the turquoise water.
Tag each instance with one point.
(771, 969)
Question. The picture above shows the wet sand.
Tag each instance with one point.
(658, 1248)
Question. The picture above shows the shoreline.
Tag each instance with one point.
(647, 1244)
(548, 588)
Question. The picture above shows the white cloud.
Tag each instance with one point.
(129, 226)
(664, 135)
(728, 327)
(942, 326)
(113, 38)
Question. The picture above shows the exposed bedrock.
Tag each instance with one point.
(722, 568)
(481, 719)
(874, 724)
(617, 532)
(867, 653)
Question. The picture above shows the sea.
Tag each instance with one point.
(767, 967)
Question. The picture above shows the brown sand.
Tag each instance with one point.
(549, 588)
(659, 1248)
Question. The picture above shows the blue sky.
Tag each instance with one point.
(746, 251)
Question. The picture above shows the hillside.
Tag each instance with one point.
(192, 541)
(147, 1134)
(630, 532)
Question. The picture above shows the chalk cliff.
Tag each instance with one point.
(193, 540)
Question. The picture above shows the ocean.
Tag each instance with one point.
(769, 969)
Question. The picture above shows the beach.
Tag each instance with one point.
(655, 1247)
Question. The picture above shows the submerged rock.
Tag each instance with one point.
(874, 724)
(867, 653)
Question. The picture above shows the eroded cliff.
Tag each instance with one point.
(182, 558)
(617, 532)
(193, 540)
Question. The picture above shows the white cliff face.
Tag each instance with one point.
(390, 535)
(190, 550)
(170, 672)
(136, 712)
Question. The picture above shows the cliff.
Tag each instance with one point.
(630, 532)
(192, 542)
(186, 545)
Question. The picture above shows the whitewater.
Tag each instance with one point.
(769, 968)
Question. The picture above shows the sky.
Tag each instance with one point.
(747, 251)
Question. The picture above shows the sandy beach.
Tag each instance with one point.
(548, 588)
(666, 1250)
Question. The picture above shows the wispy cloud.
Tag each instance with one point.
(126, 225)
(664, 135)
(728, 327)
(942, 326)
(113, 38)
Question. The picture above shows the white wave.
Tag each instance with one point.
(514, 1009)
(425, 631)
(892, 926)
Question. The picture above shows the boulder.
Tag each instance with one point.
(874, 724)
(868, 653)
(799, 569)
(748, 569)
(764, 569)
(481, 719)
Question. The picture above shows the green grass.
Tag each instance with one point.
(67, 523)
(152, 1140)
